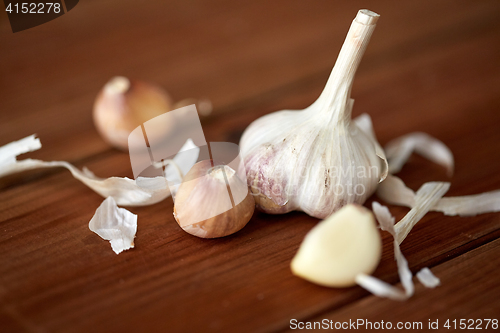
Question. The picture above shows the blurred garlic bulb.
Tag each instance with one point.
(317, 160)
(212, 201)
(122, 105)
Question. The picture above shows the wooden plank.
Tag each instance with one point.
(202, 39)
(56, 275)
(268, 242)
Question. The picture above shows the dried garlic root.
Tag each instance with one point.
(339, 248)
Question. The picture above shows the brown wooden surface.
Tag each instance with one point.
(432, 66)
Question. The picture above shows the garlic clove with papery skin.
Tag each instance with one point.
(212, 201)
(339, 248)
(123, 104)
(317, 160)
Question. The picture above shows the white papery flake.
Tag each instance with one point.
(425, 198)
(9, 153)
(399, 150)
(117, 225)
(125, 191)
(425, 276)
(394, 191)
(364, 122)
(381, 288)
(428, 279)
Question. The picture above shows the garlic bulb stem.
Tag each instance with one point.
(335, 96)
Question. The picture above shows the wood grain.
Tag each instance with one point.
(431, 66)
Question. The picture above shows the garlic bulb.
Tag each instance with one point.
(339, 248)
(317, 160)
(122, 105)
(212, 201)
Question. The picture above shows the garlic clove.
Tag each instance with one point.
(122, 105)
(339, 248)
(206, 204)
(317, 160)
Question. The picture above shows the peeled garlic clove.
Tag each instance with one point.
(122, 105)
(339, 248)
(212, 201)
(317, 160)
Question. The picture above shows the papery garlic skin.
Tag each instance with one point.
(212, 201)
(339, 248)
(316, 160)
(115, 224)
(125, 191)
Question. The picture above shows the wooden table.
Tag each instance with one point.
(431, 66)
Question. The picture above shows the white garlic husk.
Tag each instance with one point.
(317, 160)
